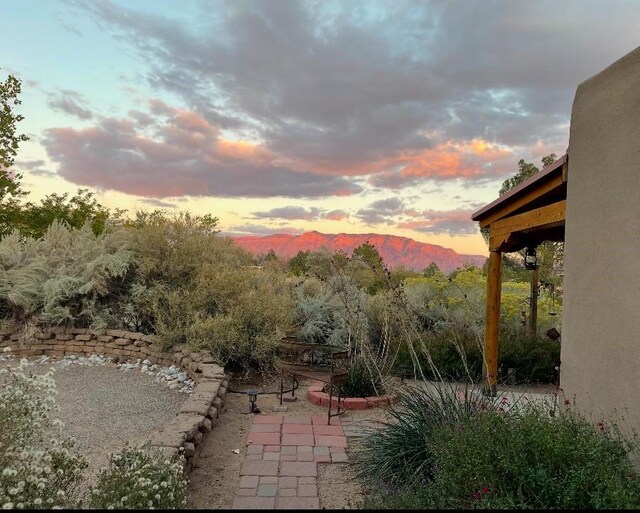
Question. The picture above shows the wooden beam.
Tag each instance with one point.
(528, 197)
(492, 322)
(543, 217)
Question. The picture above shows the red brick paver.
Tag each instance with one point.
(281, 464)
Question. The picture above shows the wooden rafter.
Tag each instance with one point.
(525, 199)
(514, 227)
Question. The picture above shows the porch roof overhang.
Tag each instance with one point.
(531, 213)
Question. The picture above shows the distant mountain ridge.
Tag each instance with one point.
(395, 250)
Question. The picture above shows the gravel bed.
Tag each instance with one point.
(106, 406)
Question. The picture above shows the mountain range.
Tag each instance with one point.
(396, 251)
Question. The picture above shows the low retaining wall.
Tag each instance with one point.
(185, 433)
(316, 394)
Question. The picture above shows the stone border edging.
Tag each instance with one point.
(185, 433)
(316, 395)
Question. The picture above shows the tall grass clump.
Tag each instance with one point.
(398, 452)
(441, 452)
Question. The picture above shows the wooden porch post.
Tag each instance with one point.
(492, 323)
(533, 301)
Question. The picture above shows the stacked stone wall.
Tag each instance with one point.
(186, 432)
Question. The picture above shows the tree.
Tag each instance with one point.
(10, 188)
(432, 270)
(372, 275)
(525, 170)
(9, 140)
(33, 219)
(299, 264)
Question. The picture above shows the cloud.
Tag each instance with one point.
(175, 152)
(336, 215)
(381, 211)
(398, 95)
(34, 167)
(466, 160)
(301, 213)
(290, 212)
(251, 229)
(158, 203)
(70, 102)
(452, 222)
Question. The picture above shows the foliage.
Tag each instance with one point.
(240, 314)
(70, 276)
(448, 318)
(75, 211)
(524, 458)
(362, 381)
(397, 453)
(318, 315)
(199, 288)
(299, 265)
(372, 275)
(38, 468)
(140, 479)
(9, 140)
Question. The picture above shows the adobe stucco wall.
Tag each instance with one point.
(601, 319)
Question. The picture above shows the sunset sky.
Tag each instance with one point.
(287, 116)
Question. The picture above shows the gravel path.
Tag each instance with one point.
(104, 408)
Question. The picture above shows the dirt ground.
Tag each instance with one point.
(213, 483)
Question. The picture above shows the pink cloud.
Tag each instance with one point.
(179, 153)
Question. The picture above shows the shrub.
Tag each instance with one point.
(319, 317)
(534, 357)
(239, 315)
(362, 380)
(528, 457)
(38, 468)
(70, 276)
(140, 479)
(397, 452)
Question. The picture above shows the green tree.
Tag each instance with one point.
(9, 139)
(372, 276)
(270, 256)
(525, 170)
(432, 270)
(10, 188)
(299, 264)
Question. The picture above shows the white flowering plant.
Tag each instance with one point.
(39, 469)
(140, 478)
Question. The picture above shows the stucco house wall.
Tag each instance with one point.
(601, 320)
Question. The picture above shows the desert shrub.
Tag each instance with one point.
(318, 315)
(70, 276)
(362, 380)
(447, 318)
(199, 288)
(38, 467)
(239, 315)
(397, 453)
(528, 457)
(139, 479)
(534, 357)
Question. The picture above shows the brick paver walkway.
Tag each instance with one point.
(281, 464)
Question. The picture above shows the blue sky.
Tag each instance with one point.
(286, 116)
